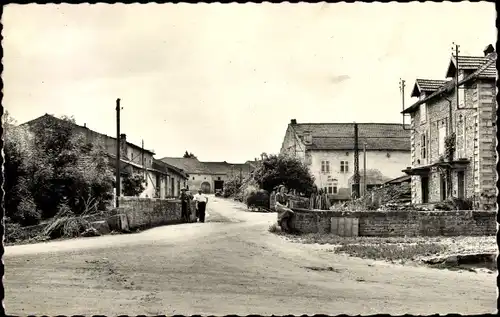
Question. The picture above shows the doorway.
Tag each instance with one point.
(218, 184)
(425, 189)
(205, 187)
(461, 184)
(443, 187)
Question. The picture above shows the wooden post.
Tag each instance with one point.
(118, 145)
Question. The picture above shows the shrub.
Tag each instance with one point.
(259, 198)
(280, 169)
(27, 212)
(454, 204)
(232, 186)
(133, 185)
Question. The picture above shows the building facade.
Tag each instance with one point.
(328, 150)
(160, 180)
(453, 133)
(208, 176)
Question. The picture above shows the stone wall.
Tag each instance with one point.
(152, 212)
(402, 223)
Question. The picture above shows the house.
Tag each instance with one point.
(453, 133)
(160, 181)
(209, 176)
(328, 150)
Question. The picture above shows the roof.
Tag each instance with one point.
(471, 63)
(160, 165)
(340, 136)
(483, 67)
(190, 165)
(373, 177)
(194, 166)
(51, 117)
(399, 180)
(426, 85)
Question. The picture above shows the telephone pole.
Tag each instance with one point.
(356, 163)
(118, 189)
(456, 46)
(364, 169)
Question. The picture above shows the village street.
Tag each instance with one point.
(229, 265)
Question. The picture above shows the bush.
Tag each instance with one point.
(259, 198)
(275, 170)
(133, 185)
(27, 213)
(232, 186)
(454, 204)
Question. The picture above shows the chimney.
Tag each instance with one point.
(293, 121)
(84, 125)
(307, 137)
(488, 50)
(123, 145)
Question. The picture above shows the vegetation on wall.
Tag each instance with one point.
(449, 147)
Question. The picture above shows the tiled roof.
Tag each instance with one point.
(472, 63)
(426, 85)
(218, 167)
(340, 136)
(162, 166)
(190, 165)
(483, 67)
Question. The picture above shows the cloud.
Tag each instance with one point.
(339, 79)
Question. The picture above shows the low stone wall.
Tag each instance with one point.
(151, 212)
(401, 223)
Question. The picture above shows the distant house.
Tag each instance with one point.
(328, 150)
(134, 159)
(467, 128)
(208, 176)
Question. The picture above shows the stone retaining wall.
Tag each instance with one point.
(151, 212)
(402, 223)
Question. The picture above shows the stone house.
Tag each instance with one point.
(453, 141)
(209, 176)
(134, 159)
(328, 150)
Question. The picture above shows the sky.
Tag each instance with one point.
(224, 80)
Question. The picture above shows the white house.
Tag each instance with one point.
(328, 150)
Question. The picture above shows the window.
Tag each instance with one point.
(461, 96)
(423, 145)
(218, 178)
(441, 136)
(325, 167)
(423, 112)
(344, 166)
(464, 147)
(332, 187)
(193, 177)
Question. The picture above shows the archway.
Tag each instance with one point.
(205, 187)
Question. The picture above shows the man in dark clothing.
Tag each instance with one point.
(185, 205)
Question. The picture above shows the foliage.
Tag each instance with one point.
(189, 155)
(133, 185)
(48, 164)
(232, 186)
(449, 146)
(275, 170)
(453, 203)
(258, 199)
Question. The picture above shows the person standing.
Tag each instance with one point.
(201, 204)
(185, 205)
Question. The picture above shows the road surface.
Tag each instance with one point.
(229, 265)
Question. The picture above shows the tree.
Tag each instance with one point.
(189, 155)
(133, 185)
(51, 166)
(277, 170)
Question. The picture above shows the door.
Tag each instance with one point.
(443, 187)
(461, 184)
(425, 189)
(218, 185)
(205, 187)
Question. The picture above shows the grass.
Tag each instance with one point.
(397, 249)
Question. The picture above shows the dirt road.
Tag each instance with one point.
(229, 265)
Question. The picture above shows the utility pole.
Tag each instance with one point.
(456, 46)
(364, 169)
(143, 163)
(356, 163)
(118, 189)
